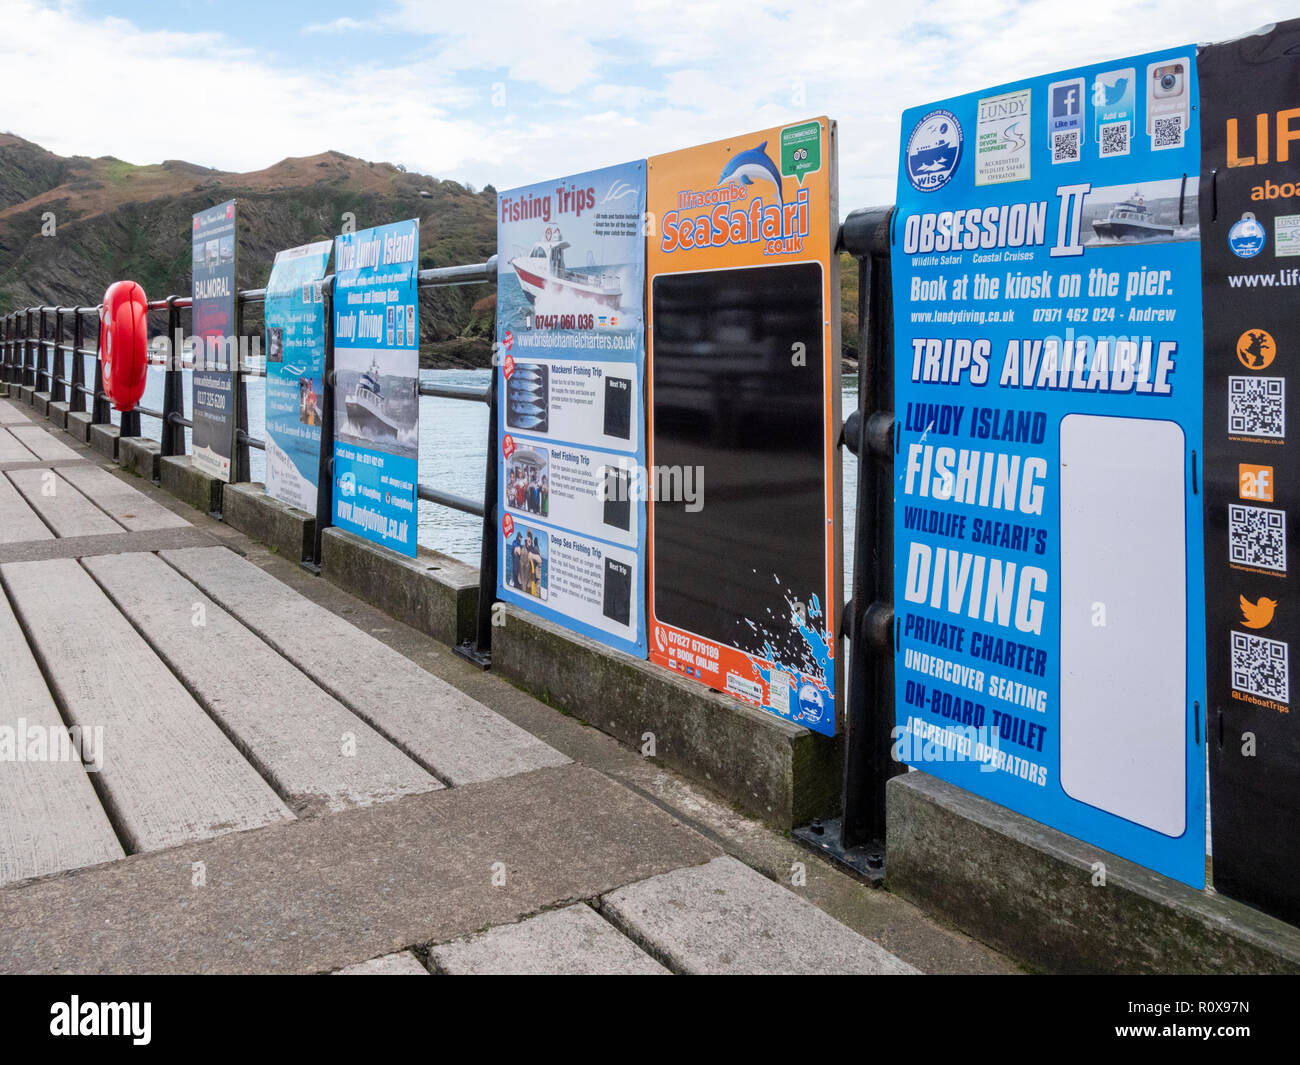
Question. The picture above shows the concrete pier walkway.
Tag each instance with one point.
(212, 761)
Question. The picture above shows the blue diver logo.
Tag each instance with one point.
(812, 703)
(933, 152)
(1246, 238)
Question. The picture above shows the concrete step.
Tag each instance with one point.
(129, 507)
(18, 522)
(50, 819)
(60, 505)
(458, 738)
(403, 963)
(313, 895)
(42, 444)
(316, 752)
(11, 450)
(724, 917)
(11, 415)
(573, 941)
(170, 776)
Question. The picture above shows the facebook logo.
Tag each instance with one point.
(1065, 105)
(1065, 101)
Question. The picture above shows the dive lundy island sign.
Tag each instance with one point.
(376, 390)
(1047, 518)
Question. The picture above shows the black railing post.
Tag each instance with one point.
(325, 466)
(857, 838)
(480, 651)
(77, 399)
(172, 439)
(868, 763)
(58, 391)
(99, 412)
(240, 468)
(29, 351)
(43, 359)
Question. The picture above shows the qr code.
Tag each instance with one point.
(1257, 406)
(1167, 132)
(1261, 667)
(1114, 138)
(1065, 146)
(1257, 537)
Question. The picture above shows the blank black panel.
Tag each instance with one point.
(618, 407)
(618, 591)
(618, 498)
(734, 398)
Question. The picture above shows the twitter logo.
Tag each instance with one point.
(1257, 615)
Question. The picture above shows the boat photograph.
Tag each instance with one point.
(543, 271)
(375, 409)
(1124, 214)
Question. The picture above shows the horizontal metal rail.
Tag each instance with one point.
(34, 344)
(448, 499)
(478, 395)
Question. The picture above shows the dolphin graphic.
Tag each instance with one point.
(753, 165)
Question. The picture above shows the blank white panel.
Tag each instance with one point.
(1124, 721)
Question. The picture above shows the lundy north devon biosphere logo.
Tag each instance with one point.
(933, 151)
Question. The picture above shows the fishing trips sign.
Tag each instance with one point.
(744, 419)
(377, 383)
(571, 436)
(215, 320)
(1048, 532)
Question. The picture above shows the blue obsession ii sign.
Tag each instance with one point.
(1048, 530)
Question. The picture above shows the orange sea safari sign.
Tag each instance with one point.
(743, 412)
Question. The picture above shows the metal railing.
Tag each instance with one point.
(858, 837)
(35, 345)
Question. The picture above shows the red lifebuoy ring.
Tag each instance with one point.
(124, 343)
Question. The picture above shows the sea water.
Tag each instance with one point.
(453, 455)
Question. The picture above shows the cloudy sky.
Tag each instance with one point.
(513, 91)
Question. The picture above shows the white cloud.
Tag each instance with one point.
(338, 25)
(586, 84)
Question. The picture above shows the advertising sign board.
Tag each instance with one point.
(1048, 377)
(744, 419)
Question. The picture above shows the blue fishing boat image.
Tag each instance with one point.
(367, 408)
(1131, 220)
